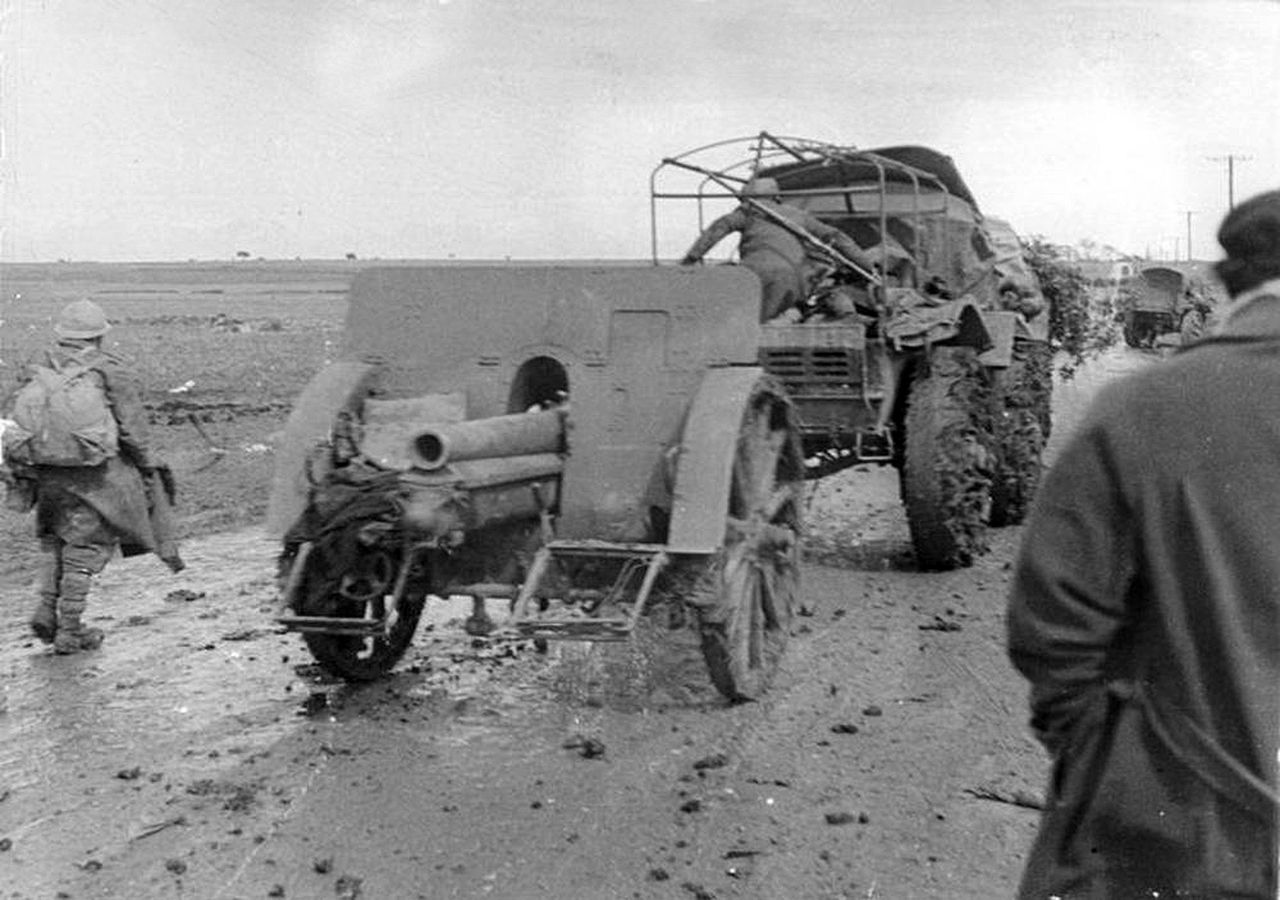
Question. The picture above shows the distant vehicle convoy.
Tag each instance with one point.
(591, 442)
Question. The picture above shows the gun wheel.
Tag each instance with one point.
(359, 594)
(750, 587)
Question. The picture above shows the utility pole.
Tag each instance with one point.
(1188, 213)
(1232, 159)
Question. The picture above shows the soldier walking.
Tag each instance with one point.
(76, 447)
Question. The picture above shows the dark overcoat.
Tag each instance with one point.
(1145, 612)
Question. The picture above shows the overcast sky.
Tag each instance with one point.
(173, 129)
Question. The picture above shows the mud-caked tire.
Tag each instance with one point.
(1019, 466)
(947, 474)
(1022, 431)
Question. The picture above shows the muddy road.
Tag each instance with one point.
(200, 754)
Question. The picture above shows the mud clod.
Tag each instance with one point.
(844, 728)
(348, 887)
(714, 761)
(873, 711)
(182, 595)
(176, 866)
(322, 866)
(839, 818)
(587, 747)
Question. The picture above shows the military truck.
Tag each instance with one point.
(1165, 306)
(934, 349)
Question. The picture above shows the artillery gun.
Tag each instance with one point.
(934, 348)
(440, 458)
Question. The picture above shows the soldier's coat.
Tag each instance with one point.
(1145, 612)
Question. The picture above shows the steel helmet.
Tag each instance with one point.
(82, 319)
(761, 187)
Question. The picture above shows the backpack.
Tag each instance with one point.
(62, 417)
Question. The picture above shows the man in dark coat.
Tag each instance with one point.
(784, 263)
(1145, 612)
(84, 513)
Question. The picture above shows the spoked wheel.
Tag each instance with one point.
(750, 587)
(359, 593)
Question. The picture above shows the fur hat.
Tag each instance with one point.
(1250, 234)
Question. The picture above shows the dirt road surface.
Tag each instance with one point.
(200, 754)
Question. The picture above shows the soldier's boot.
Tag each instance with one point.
(478, 623)
(44, 618)
(72, 635)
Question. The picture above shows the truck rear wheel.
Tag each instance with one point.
(1019, 466)
(1022, 432)
(748, 591)
(947, 475)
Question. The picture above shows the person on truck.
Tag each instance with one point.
(777, 242)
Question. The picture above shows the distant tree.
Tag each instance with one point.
(242, 254)
(1081, 322)
(350, 255)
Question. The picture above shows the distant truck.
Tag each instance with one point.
(1165, 306)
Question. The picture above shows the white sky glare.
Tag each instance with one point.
(176, 129)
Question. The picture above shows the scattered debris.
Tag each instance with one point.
(348, 887)
(844, 728)
(698, 891)
(156, 828)
(691, 806)
(176, 866)
(658, 874)
(873, 711)
(323, 865)
(182, 595)
(1025, 799)
(587, 747)
(839, 818)
(130, 774)
(742, 854)
(941, 624)
(277, 890)
(714, 761)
